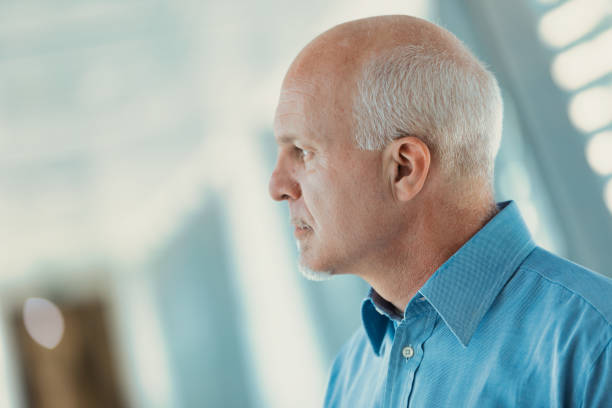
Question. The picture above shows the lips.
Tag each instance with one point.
(301, 232)
(301, 225)
(301, 228)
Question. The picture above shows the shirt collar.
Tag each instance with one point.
(463, 288)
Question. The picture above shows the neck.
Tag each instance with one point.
(438, 230)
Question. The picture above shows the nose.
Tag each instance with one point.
(283, 185)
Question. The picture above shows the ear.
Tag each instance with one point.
(409, 159)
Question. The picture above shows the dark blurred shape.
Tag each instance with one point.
(80, 371)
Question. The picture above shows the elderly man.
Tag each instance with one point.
(387, 130)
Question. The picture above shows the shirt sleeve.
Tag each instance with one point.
(597, 390)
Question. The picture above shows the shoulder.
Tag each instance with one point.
(345, 367)
(357, 345)
(562, 319)
(566, 307)
(579, 286)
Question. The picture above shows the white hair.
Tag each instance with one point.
(448, 100)
(311, 274)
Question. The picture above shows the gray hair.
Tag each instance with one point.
(448, 100)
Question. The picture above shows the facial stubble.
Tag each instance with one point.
(308, 273)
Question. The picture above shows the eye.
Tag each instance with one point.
(303, 153)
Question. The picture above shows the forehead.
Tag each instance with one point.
(298, 99)
(309, 110)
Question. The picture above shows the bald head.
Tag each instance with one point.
(343, 49)
(401, 75)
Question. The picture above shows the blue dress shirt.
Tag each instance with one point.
(502, 323)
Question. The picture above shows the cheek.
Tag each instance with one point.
(342, 202)
(326, 199)
(365, 203)
(347, 210)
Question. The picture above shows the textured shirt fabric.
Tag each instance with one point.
(502, 323)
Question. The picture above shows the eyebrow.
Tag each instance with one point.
(290, 138)
(286, 139)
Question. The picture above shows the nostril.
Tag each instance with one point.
(282, 186)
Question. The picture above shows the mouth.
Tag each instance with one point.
(301, 228)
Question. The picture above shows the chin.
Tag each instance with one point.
(312, 271)
(313, 275)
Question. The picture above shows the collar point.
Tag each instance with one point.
(463, 336)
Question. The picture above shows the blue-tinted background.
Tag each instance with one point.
(135, 151)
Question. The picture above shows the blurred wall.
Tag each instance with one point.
(136, 146)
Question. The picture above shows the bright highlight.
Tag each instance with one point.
(572, 20)
(599, 153)
(43, 322)
(583, 63)
(591, 109)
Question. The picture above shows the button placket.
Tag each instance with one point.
(407, 352)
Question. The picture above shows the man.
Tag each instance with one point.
(387, 129)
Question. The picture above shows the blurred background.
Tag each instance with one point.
(142, 263)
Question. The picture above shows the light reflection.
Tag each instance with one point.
(514, 181)
(43, 322)
(599, 153)
(572, 20)
(530, 215)
(147, 350)
(591, 109)
(608, 195)
(270, 356)
(583, 63)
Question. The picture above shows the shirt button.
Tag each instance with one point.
(408, 352)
